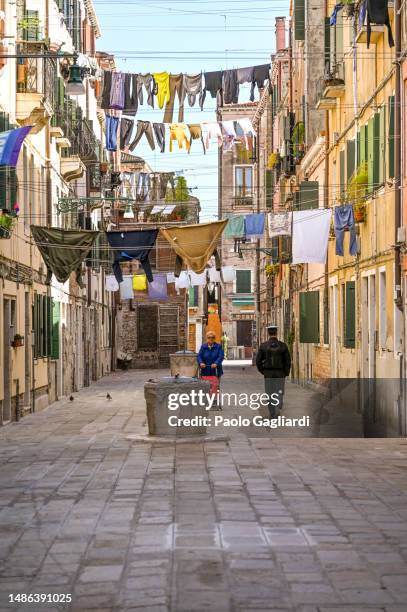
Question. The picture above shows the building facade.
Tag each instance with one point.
(56, 338)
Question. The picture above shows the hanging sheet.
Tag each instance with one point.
(63, 250)
(311, 235)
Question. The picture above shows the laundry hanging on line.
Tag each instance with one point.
(63, 250)
(124, 91)
(310, 235)
(195, 244)
(119, 133)
(344, 218)
(132, 245)
(279, 224)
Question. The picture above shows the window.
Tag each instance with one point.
(382, 309)
(243, 181)
(193, 296)
(309, 316)
(243, 281)
(349, 314)
(307, 197)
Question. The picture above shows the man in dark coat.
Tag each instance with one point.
(273, 360)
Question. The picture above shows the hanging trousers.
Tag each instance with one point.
(143, 127)
(159, 131)
(176, 87)
(343, 217)
(126, 129)
(107, 86)
(132, 245)
(147, 81)
(130, 94)
(112, 123)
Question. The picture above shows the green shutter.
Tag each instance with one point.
(299, 19)
(391, 137)
(243, 281)
(34, 325)
(326, 318)
(342, 171)
(56, 310)
(376, 150)
(309, 194)
(350, 159)
(370, 154)
(309, 316)
(327, 46)
(363, 147)
(269, 188)
(350, 315)
(382, 141)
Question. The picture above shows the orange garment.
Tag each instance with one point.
(178, 132)
(214, 325)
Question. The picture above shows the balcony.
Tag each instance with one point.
(78, 137)
(325, 101)
(35, 86)
(376, 31)
(243, 201)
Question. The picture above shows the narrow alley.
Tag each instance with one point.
(256, 520)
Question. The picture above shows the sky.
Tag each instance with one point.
(188, 36)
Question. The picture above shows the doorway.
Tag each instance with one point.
(9, 323)
(244, 337)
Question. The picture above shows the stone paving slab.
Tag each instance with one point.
(245, 519)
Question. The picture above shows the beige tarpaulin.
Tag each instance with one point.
(195, 244)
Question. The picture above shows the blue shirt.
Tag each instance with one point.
(208, 356)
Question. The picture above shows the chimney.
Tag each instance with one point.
(280, 33)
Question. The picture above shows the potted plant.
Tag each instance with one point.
(359, 211)
(182, 211)
(6, 223)
(273, 160)
(272, 269)
(17, 341)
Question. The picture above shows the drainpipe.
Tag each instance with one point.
(397, 158)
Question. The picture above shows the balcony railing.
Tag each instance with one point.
(36, 75)
(243, 200)
(78, 131)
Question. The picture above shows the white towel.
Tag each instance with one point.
(182, 282)
(214, 275)
(111, 283)
(228, 274)
(311, 235)
(198, 280)
(126, 288)
(279, 224)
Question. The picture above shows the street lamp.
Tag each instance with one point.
(75, 86)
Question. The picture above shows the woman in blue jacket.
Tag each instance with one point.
(210, 357)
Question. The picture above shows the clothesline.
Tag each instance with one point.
(119, 133)
(125, 91)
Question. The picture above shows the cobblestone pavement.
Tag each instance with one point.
(260, 522)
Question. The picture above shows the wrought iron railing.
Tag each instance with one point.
(243, 200)
(36, 74)
(78, 131)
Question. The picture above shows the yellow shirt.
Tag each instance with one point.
(162, 80)
(178, 132)
(139, 282)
